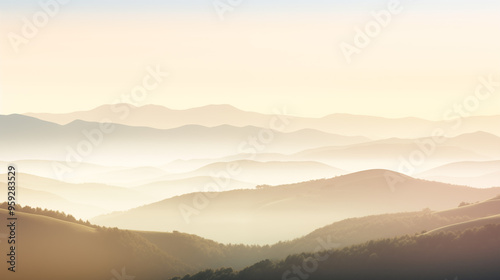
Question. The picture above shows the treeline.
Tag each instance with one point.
(471, 254)
(204, 253)
(49, 213)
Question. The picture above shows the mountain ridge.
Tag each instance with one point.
(211, 115)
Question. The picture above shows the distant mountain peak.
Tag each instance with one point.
(478, 133)
(377, 173)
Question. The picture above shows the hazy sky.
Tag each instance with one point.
(263, 55)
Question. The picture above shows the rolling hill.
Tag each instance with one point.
(45, 168)
(340, 234)
(183, 166)
(495, 219)
(394, 153)
(167, 248)
(270, 172)
(361, 229)
(167, 189)
(480, 142)
(272, 214)
(52, 201)
(470, 173)
(50, 248)
(99, 197)
(474, 210)
(470, 254)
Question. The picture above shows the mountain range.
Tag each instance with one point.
(216, 115)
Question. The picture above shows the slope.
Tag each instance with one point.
(271, 214)
(48, 248)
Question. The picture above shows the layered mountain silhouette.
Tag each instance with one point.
(69, 149)
(216, 115)
(214, 193)
(470, 173)
(299, 208)
(81, 200)
(156, 255)
(89, 142)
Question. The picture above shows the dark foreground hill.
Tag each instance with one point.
(57, 246)
(472, 254)
(50, 248)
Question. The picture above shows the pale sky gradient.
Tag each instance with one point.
(261, 57)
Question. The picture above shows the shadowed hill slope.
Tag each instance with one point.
(471, 254)
(49, 248)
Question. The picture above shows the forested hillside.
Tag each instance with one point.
(472, 254)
